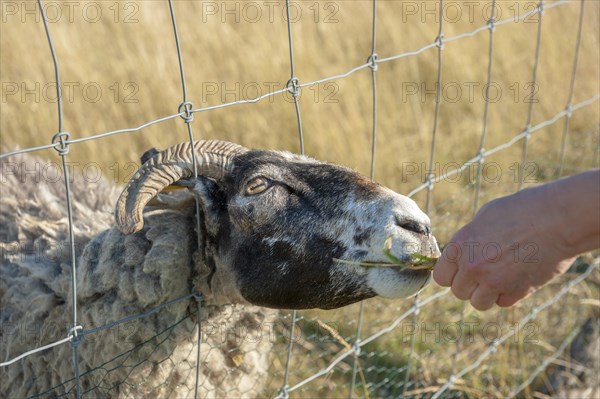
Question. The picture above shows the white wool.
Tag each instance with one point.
(117, 277)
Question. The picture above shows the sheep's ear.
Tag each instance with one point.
(213, 201)
(149, 154)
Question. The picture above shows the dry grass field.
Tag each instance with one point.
(119, 69)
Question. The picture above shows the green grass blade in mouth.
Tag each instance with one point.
(387, 250)
(425, 263)
(419, 262)
(369, 264)
(422, 259)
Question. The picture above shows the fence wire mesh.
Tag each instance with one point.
(370, 355)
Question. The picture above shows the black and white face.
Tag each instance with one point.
(281, 222)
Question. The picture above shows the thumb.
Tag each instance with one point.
(445, 269)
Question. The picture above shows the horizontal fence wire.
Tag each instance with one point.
(547, 361)
(414, 309)
(355, 349)
(366, 65)
(508, 144)
(533, 313)
(102, 327)
(293, 86)
(123, 355)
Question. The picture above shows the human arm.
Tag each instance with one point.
(516, 244)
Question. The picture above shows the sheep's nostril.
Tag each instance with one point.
(414, 226)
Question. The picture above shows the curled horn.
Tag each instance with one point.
(213, 158)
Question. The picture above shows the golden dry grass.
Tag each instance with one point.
(235, 54)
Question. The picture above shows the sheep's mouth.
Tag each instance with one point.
(414, 261)
(418, 263)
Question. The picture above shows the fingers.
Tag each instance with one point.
(447, 273)
(467, 281)
(483, 298)
(463, 285)
(506, 300)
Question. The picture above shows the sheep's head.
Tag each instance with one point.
(274, 226)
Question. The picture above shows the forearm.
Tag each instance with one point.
(576, 205)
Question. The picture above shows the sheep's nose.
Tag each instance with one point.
(414, 226)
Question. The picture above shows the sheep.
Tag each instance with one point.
(272, 226)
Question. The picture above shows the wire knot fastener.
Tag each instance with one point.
(284, 392)
(293, 86)
(491, 24)
(439, 41)
(185, 109)
(569, 110)
(540, 8)
(481, 156)
(61, 142)
(527, 132)
(356, 347)
(416, 308)
(494, 346)
(429, 182)
(198, 296)
(372, 60)
(73, 336)
(534, 312)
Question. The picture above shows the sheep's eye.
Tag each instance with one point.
(257, 185)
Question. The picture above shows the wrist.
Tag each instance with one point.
(576, 211)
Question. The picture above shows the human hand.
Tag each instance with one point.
(513, 246)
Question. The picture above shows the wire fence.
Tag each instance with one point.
(357, 349)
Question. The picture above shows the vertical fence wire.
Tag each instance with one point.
(415, 317)
(356, 347)
(480, 160)
(568, 107)
(56, 67)
(545, 364)
(533, 84)
(294, 89)
(438, 97)
(61, 139)
(373, 65)
(532, 315)
(472, 33)
(284, 390)
(293, 83)
(372, 60)
(185, 108)
(61, 143)
(439, 40)
(198, 298)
